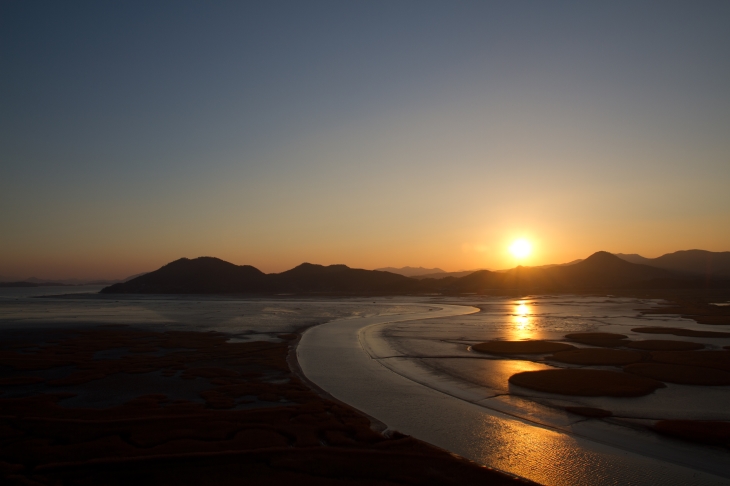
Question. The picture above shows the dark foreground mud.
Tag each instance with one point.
(226, 413)
(704, 432)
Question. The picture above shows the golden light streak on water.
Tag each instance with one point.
(522, 326)
(541, 455)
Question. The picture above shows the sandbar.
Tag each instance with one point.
(664, 345)
(706, 359)
(597, 356)
(681, 332)
(681, 374)
(603, 339)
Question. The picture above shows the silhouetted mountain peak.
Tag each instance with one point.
(412, 271)
(315, 269)
(634, 258)
(209, 275)
(603, 260)
(688, 262)
(602, 256)
(206, 265)
(204, 260)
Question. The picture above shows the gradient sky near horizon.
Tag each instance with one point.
(377, 133)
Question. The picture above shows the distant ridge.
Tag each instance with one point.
(684, 265)
(463, 273)
(549, 265)
(31, 284)
(411, 271)
(42, 282)
(208, 275)
(600, 270)
(203, 275)
(697, 262)
(131, 277)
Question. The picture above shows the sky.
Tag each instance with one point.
(369, 133)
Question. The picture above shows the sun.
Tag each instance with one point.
(520, 248)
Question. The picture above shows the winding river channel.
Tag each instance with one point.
(345, 358)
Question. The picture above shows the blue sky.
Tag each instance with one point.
(366, 133)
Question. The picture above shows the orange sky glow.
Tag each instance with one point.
(365, 133)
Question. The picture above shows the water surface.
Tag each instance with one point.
(418, 376)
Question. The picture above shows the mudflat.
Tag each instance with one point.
(603, 339)
(593, 356)
(225, 413)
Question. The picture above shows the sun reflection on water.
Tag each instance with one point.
(522, 321)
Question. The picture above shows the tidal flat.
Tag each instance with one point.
(548, 437)
(80, 356)
(88, 398)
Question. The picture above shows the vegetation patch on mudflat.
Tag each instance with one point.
(597, 356)
(681, 332)
(664, 345)
(680, 374)
(706, 359)
(586, 382)
(602, 339)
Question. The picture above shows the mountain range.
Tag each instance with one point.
(600, 270)
(208, 275)
(700, 262)
(412, 271)
(462, 273)
(421, 273)
(685, 264)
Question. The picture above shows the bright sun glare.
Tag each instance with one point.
(520, 248)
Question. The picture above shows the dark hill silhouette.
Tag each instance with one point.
(633, 258)
(442, 275)
(207, 275)
(411, 271)
(600, 270)
(308, 277)
(204, 275)
(474, 282)
(698, 262)
(604, 269)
